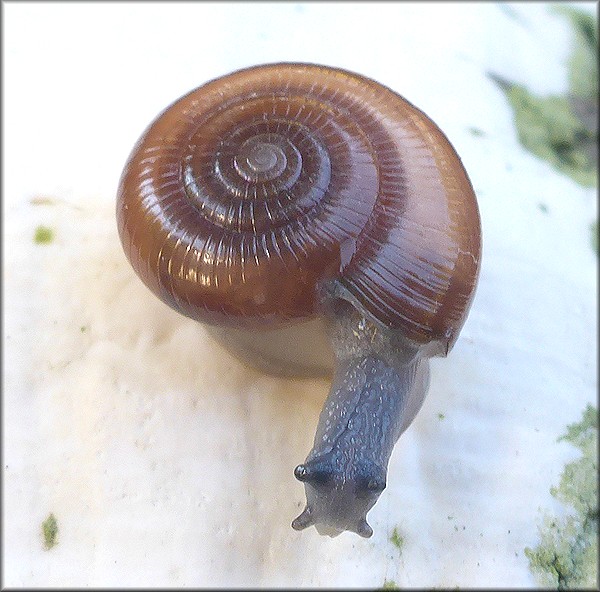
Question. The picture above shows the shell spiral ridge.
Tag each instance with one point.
(247, 193)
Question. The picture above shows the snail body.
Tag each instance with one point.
(316, 222)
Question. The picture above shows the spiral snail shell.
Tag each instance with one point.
(296, 199)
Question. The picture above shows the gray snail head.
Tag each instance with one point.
(339, 499)
(263, 198)
(379, 385)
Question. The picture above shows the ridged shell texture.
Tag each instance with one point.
(246, 193)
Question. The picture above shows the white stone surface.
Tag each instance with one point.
(164, 460)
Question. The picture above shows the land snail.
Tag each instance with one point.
(317, 223)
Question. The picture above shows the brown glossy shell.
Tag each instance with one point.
(246, 193)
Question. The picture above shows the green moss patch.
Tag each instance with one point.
(583, 61)
(566, 556)
(43, 235)
(562, 129)
(397, 539)
(50, 531)
(475, 131)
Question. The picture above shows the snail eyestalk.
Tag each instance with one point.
(379, 385)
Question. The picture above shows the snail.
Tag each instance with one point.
(317, 223)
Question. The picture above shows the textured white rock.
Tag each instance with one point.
(168, 463)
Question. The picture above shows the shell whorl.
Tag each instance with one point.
(248, 192)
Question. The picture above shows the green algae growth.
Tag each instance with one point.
(562, 129)
(566, 556)
(50, 531)
(397, 539)
(43, 235)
